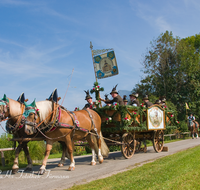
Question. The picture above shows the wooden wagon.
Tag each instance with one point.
(132, 126)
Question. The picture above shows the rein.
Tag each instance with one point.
(20, 120)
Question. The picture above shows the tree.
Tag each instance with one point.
(171, 67)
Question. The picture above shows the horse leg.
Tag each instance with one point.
(15, 166)
(70, 149)
(192, 132)
(100, 157)
(47, 152)
(64, 148)
(92, 146)
(29, 160)
(98, 142)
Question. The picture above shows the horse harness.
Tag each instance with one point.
(55, 122)
(20, 121)
(5, 109)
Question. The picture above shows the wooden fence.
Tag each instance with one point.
(178, 135)
(2, 155)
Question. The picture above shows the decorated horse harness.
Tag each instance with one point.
(11, 128)
(55, 120)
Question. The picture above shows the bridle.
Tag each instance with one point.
(20, 121)
(5, 109)
(29, 110)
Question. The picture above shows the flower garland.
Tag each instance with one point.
(96, 88)
(128, 115)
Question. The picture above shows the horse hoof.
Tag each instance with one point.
(28, 169)
(14, 171)
(101, 161)
(41, 172)
(93, 163)
(60, 165)
(71, 168)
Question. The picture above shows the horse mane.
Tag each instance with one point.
(14, 107)
(45, 108)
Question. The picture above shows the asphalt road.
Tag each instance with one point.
(58, 178)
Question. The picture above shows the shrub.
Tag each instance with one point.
(4, 143)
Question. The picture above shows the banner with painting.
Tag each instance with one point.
(105, 64)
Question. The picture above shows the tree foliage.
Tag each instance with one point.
(171, 66)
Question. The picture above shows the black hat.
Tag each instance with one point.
(124, 98)
(157, 101)
(145, 97)
(134, 95)
(87, 95)
(114, 90)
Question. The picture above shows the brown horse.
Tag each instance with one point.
(13, 110)
(194, 128)
(69, 126)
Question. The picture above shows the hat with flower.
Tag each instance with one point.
(87, 95)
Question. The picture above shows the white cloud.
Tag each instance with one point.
(154, 16)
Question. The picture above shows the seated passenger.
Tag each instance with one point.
(116, 98)
(88, 98)
(147, 103)
(125, 100)
(134, 101)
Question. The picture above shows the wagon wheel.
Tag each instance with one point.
(128, 146)
(158, 140)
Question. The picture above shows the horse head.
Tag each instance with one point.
(31, 117)
(38, 115)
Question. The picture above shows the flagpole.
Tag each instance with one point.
(91, 47)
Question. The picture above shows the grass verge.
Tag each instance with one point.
(177, 171)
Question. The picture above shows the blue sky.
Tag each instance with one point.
(42, 41)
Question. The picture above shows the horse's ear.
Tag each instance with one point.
(5, 98)
(21, 98)
(58, 98)
(53, 96)
(33, 104)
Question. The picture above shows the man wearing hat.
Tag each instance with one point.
(116, 98)
(134, 101)
(125, 100)
(88, 98)
(191, 118)
(146, 101)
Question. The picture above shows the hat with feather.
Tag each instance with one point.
(114, 90)
(87, 95)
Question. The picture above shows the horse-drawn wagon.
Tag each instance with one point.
(130, 127)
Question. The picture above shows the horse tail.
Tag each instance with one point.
(104, 148)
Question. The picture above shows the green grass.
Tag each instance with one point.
(177, 171)
(58, 155)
